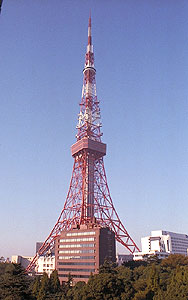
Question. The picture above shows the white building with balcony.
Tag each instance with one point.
(162, 243)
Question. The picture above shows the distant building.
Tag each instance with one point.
(48, 251)
(45, 264)
(162, 243)
(23, 260)
(38, 245)
(123, 258)
(4, 260)
(81, 251)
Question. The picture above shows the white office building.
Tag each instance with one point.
(45, 264)
(162, 243)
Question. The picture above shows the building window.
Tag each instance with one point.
(76, 245)
(76, 257)
(80, 233)
(87, 239)
(76, 270)
(76, 251)
(76, 263)
(168, 248)
(74, 276)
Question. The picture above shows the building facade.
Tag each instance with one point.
(23, 260)
(81, 251)
(162, 243)
(123, 258)
(45, 264)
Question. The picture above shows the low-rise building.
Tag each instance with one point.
(162, 243)
(123, 258)
(4, 260)
(45, 264)
(23, 260)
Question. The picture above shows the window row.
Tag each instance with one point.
(77, 251)
(76, 245)
(80, 233)
(76, 270)
(180, 244)
(48, 265)
(179, 239)
(49, 259)
(89, 239)
(76, 257)
(76, 263)
(74, 276)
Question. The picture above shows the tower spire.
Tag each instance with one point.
(89, 59)
(89, 119)
(89, 31)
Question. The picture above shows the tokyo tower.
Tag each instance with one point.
(88, 200)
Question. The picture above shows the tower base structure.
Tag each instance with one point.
(80, 251)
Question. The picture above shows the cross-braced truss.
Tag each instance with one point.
(88, 199)
(74, 211)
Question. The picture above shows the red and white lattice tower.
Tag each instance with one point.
(88, 199)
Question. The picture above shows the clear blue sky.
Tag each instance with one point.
(141, 57)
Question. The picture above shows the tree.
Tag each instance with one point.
(54, 282)
(14, 283)
(178, 286)
(126, 277)
(78, 291)
(175, 259)
(44, 287)
(3, 267)
(108, 267)
(104, 286)
(36, 286)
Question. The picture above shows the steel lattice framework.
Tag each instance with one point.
(88, 199)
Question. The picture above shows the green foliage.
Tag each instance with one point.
(54, 282)
(3, 267)
(108, 267)
(44, 288)
(151, 280)
(78, 292)
(126, 277)
(174, 260)
(36, 286)
(104, 286)
(14, 283)
(178, 285)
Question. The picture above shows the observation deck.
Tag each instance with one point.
(98, 148)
